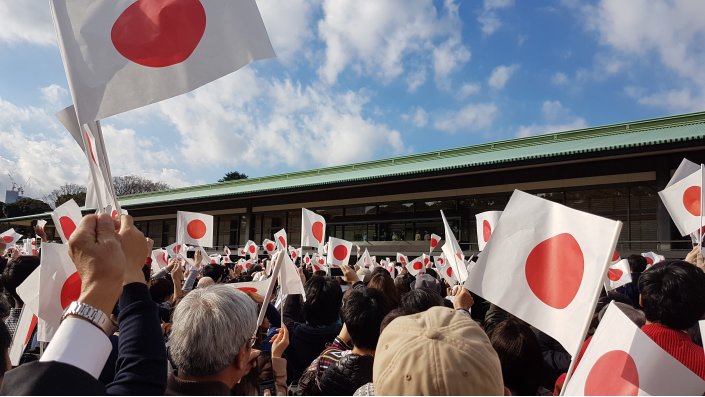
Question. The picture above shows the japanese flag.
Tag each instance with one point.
(194, 228)
(621, 360)
(251, 249)
(618, 275)
(446, 271)
(365, 260)
(120, 55)
(289, 279)
(307, 259)
(294, 252)
(259, 287)
(226, 251)
(175, 250)
(402, 259)
(66, 218)
(318, 262)
(453, 253)
(426, 261)
(339, 252)
(269, 246)
(545, 264)
(60, 285)
(486, 222)
(29, 293)
(414, 267)
(160, 259)
(10, 237)
(652, 258)
(280, 238)
(683, 202)
(313, 229)
(435, 240)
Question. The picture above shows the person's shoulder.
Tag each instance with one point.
(50, 378)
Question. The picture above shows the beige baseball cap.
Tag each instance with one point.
(436, 352)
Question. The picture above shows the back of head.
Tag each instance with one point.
(520, 355)
(385, 284)
(637, 263)
(419, 300)
(436, 352)
(16, 271)
(161, 288)
(215, 272)
(403, 283)
(362, 312)
(205, 282)
(673, 294)
(209, 328)
(380, 270)
(429, 282)
(323, 299)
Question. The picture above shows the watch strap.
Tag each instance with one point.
(92, 315)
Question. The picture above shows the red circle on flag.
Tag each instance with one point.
(317, 230)
(159, 33)
(402, 260)
(270, 247)
(649, 260)
(613, 374)
(321, 261)
(196, 229)
(114, 214)
(90, 146)
(460, 257)
(282, 241)
(691, 200)
(434, 243)
(7, 239)
(165, 258)
(253, 249)
(67, 226)
(340, 252)
(486, 230)
(615, 256)
(554, 270)
(247, 289)
(449, 272)
(417, 265)
(440, 261)
(71, 290)
(177, 248)
(614, 274)
(293, 254)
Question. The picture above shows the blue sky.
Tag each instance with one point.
(361, 80)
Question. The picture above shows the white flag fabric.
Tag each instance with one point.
(685, 168)
(281, 240)
(652, 258)
(160, 259)
(10, 237)
(251, 249)
(194, 228)
(175, 250)
(307, 259)
(486, 223)
(435, 240)
(445, 270)
(365, 260)
(60, 284)
(27, 323)
(269, 246)
(414, 267)
(259, 287)
(289, 279)
(313, 229)
(546, 264)
(318, 262)
(66, 218)
(454, 255)
(682, 200)
(622, 360)
(402, 259)
(618, 275)
(339, 252)
(120, 55)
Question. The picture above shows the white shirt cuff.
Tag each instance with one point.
(81, 344)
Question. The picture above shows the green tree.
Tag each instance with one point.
(25, 206)
(232, 176)
(134, 184)
(65, 193)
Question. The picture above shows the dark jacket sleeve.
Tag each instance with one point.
(50, 378)
(141, 367)
(273, 316)
(293, 311)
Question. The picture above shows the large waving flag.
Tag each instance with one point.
(281, 240)
(313, 229)
(486, 222)
(683, 200)
(339, 252)
(289, 278)
(546, 264)
(28, 321)
(453, 253)
(194, 228)
(120, 55)
(622, 360)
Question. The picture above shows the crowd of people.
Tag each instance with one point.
(190, 331)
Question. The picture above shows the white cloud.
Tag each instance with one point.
(556, 118)
(468, 89)
(669, 33)
(416, 79)
(501, 75)
(288, 24)
(54, 94)
(559, 79)
(470, 118)
(26, 22)
(375, 38)
(488, 19)
(419, 117)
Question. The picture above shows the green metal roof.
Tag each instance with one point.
(680, 128)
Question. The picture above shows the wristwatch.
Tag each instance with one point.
(92, 315)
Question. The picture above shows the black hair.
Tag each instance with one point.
(147, 271)
(673, 294)
(362, 312)
(216, 272)
(419, 300)
(323, 299)
(519, 354)
(5, 342)
(16, 271)
(403, 282)
(637, 263)
(391, 316)
(385, 284)
(379, 270)
(161, 288)
(432, 273)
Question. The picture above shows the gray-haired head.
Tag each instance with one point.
(210, 326)
(205, 282)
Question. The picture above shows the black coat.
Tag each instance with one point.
(347, 375)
